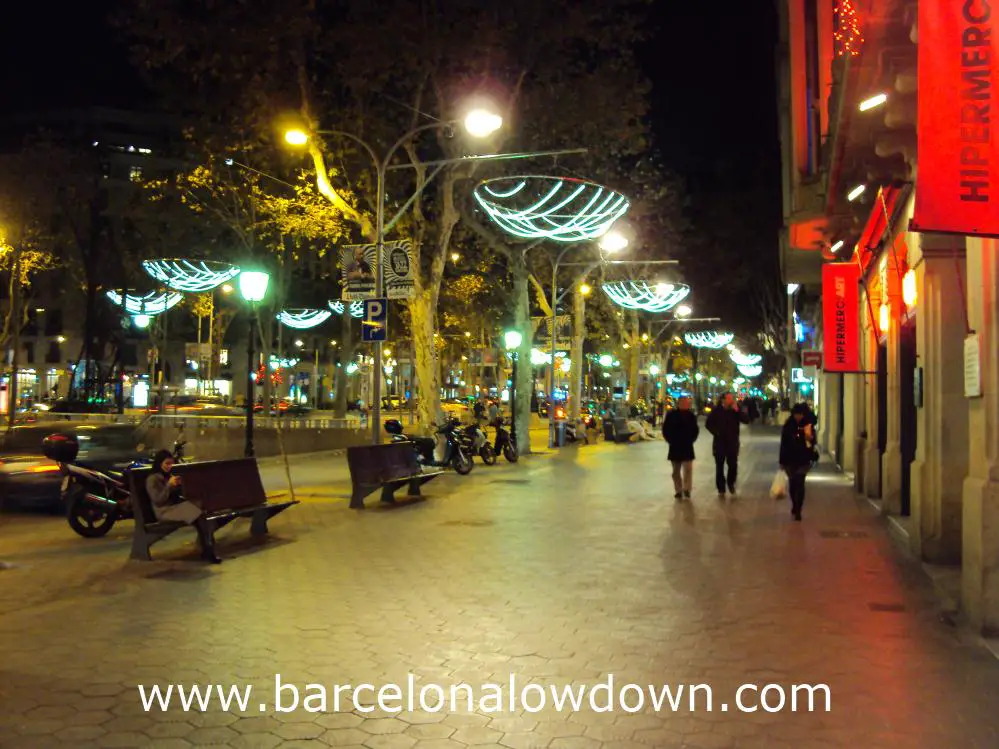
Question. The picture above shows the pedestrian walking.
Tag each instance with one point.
(797, 454)
(680, 431)
(723, 423)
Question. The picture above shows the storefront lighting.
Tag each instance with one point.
(874, 101)
(884, 317)
(856, 192)
(909, 294)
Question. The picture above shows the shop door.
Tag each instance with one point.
(907, 410)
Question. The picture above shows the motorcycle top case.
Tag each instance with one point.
(62, 448)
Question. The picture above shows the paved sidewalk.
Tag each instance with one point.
(557, 570)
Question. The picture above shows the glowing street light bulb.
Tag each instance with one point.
(141, 321)
(513, 339)
(856, 192)
(874, 101)
(645, 336)
(654, 370)
(300, 343)
(684, 311)
(253, 285)
(455, 257)
(481, 123)
(227, 288)
(585, 289)
(613, 241)
(296, 137)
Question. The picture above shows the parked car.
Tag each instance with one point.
(201, 405)
(290, 408)
(29, 479)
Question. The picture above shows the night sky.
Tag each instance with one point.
(712, 68)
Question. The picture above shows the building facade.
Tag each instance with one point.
(917, 420)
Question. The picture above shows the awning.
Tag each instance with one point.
(874, 234)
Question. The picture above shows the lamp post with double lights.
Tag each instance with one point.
(253, 289)
(479, 123)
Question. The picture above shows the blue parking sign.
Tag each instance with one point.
(374, 326)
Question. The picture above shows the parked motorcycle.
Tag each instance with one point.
(502, 444)
(474, 442)
(94, 500)
(455, 455)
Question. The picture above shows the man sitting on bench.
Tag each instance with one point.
(164, 493)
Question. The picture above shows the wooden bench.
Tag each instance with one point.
(386, 467)
(223, 489)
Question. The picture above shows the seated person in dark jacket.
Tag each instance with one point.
(680, 431)
(164, 494)
(723, 423)
(797, 453)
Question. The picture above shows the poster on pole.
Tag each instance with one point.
(358, 264)
(398, 267)
(957, 185)
(543, 331)
(841, 317)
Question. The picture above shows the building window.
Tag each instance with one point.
(129, 355)
(54, 355)
(53, 322)
(135, 173)
(31, 327)
(29, 353)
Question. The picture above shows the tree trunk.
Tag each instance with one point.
(634, 357)
(576, 355)
(522, 323)
(347, 354)
(422, 315)
(15, 313)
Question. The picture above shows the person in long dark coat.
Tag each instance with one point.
(723, 422)
(797, 453)
(680, 431)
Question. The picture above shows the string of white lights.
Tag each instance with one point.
(149, 304)
(708, 339)
(356, 307)
(639, 295)
(195, 276)
(303, 319)
(750, 370)
(746, 360)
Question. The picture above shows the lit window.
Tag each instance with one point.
(224, 357)
(135, 173)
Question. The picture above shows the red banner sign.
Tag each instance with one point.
(840, 317)
(957, 183)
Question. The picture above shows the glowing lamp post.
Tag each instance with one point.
(512, 340)
(253, 289)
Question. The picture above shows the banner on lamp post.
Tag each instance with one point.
(840, 317)
(398, 266)
(957, 184)
(357, 264)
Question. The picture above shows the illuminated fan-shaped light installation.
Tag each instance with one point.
(640, 295)
(195, 276)
(356, 307)
(303, 319)
(149, 304)
(557, 208)
(708, 339)
(745, 360)
(750, 370)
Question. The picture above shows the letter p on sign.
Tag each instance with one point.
(374, 327)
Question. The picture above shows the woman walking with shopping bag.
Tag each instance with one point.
(797, 453)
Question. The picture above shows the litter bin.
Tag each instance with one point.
(609, 430)
(559, 434)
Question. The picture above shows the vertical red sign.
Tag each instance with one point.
(957, 184)
(840, 317)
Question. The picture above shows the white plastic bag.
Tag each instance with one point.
(778, 489)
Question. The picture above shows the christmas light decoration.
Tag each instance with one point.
(195, 276)
(745, 360)
(847, 32)
(356, 307)
(750, 370)
(557, 208)
(708, 339)
(303, 319)
(149, 304)
(639, 295)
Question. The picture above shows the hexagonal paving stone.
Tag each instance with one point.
(125, 739)
(473, 735)
(526, 740)
(574, 742)
(425, 731)
(344, 737)
(390, 741)
(339, 720)
(383, 725)
(168, 730)
(213, 735)
(77, 734)
(299, 731)
(256, 741)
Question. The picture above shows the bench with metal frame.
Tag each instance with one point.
(386, 467)
(223, 489)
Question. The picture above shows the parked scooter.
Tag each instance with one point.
(94, 500)
(474, 442)
(502, 444)
(455, 455)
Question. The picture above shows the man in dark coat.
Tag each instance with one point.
(723, 423)
(680, 431)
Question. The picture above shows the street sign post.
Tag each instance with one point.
(811, 358)
(374, 327)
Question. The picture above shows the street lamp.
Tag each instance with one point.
(478, 123)
(253, 289)
(512, 339)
